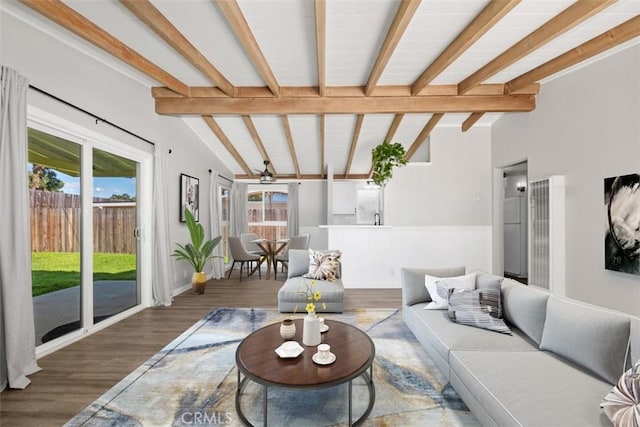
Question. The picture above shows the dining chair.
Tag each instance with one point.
(252, 248)
(296, 242)
(240, 254)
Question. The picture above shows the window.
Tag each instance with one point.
(268, 212)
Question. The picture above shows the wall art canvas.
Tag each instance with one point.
(189, 187)
(622, 234)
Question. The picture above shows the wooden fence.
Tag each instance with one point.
(55, 224)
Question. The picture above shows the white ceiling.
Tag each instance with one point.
(355, 31)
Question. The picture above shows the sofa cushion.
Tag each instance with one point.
(292, 297)
(439, 297)
(587, 335)
(534, 388)
(480, 308)
(298, 262)
(413, 289)
(524, 307)
(444, 335)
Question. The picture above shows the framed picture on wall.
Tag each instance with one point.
(622, 233)
(189, 197)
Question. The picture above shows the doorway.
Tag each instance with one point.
(515, 222)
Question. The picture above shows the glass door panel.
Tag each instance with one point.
(116, 285)
(54, 200)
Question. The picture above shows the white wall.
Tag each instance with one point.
(53, 66)
(453, 190)
(586, 126)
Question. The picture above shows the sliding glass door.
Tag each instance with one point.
(90, 258)
(115, 235)
(55, 199)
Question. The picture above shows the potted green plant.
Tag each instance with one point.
(198, 252)
(384, 158)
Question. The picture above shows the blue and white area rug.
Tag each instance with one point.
(193, 380)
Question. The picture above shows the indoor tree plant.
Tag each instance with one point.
(198, 252)
(384, 158)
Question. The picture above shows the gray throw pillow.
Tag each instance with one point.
(488, 281)
(480, 308)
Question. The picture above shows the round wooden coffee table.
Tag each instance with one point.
(257, 361)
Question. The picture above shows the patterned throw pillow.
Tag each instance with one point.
(323, 265)
(480, 308)
(622, 404)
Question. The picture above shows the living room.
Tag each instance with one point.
(584, 127)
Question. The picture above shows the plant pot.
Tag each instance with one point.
(198, 282)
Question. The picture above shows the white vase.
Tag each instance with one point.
(311, 330)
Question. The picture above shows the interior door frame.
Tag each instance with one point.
(90, 139)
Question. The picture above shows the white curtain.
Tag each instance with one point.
(239, 221)
(215, 215)
(293, 209)
(17, 333)
(162, 261)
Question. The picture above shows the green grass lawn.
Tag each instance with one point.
(52, 271)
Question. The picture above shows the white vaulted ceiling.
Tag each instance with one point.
(307, 83)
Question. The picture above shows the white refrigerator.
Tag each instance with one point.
(515, 236)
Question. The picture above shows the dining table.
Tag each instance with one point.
(271, 249)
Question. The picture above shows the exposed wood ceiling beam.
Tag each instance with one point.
(322, 161)
(561, 23)
(470, 121)
(154, 19)
(354, 142)
(68, 18)
(259, 145)
(390, 134)
(292, 147)
(215, 128)
(607, 40)
(344, 91)
(232, 13)
(345, 105)
(403, 16)
(490, 15)
(321, 44)
(424, 134)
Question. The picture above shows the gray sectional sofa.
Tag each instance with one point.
(290, 298)
(563, 357)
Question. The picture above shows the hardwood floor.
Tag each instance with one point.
(76, 375)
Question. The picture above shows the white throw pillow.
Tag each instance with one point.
(468, 281)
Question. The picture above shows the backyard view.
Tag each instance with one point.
(53, 271)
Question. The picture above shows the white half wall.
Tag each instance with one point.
(586, 127)
(372, 256)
